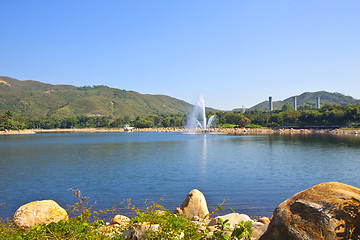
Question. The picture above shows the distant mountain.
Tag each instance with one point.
(36, 99)
(310, 98)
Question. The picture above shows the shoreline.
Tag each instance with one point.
(229, 131)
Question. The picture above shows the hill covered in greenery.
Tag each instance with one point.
(40, 100)
(33, 105)
(308, 99)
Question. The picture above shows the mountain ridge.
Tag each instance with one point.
(31, 98)
(36, 99)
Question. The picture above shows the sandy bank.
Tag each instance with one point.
(233, 131)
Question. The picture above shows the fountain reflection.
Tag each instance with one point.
(203, 158)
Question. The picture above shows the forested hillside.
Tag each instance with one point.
(32, 104)
(308, 99)
(40, 100)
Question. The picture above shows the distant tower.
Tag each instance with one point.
(318, 102)
(271, 106)
(295, 103)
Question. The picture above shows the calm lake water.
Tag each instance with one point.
(253, 174)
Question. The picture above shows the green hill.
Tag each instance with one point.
(310, 99)
(36, 99)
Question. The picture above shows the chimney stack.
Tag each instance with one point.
(318, 102)
(271, 106)
(295, 103)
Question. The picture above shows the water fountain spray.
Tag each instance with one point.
(197, 119)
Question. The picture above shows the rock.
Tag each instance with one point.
(325, 211)
(195, 218)
(110, 230)
(258, 231)
(211, 228)
(264, 220)
(160, 213)
(257, 224)
(201, 228)
(258, 228)
(121, 220)
(193, 205)
(38, 212)
(234, 219)
(138, 231)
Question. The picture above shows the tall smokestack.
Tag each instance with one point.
(295, 103)
(318, 102)
(271, 106)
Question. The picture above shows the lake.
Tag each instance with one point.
(253, 174)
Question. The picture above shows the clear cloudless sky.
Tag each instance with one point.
(234, 52)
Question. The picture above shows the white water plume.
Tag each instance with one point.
(198, 119)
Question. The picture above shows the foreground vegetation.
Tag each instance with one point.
(85, 224)
(327, 115)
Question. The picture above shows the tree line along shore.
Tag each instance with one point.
(327, 117)
(231, 131)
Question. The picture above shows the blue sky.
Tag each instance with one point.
(234, 53)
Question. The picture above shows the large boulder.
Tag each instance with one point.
(39, 212)
(194, 205)
(325, 211)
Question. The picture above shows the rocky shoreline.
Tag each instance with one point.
(325, 211)
(231, 131)
(194, 208)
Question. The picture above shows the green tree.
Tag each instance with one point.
(165, 122)
(352, 114)
(9, 122)
(9, 114)
(290, 117)
(143, 123)
(287, 107)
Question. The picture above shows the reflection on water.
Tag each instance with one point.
(252, 173)
(203, 157)
(322, 139)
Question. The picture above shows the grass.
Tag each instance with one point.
(71, 229)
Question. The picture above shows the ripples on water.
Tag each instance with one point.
(253, 174)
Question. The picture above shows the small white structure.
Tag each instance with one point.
(127, 127)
